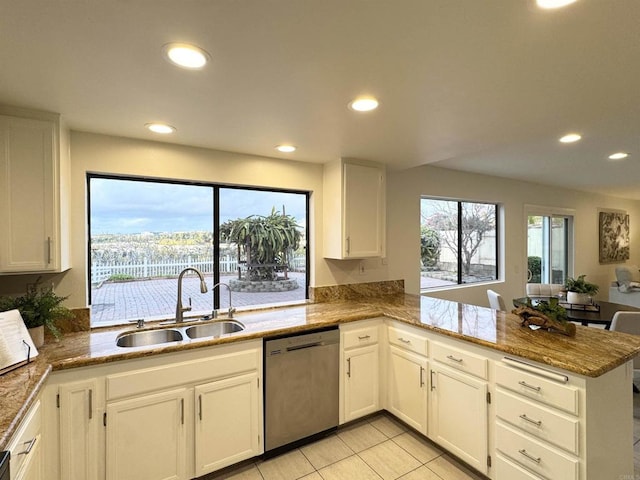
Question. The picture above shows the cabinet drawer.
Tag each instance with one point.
(409, 340)
(541, 422)
(360, 337)
(23, 443)
(534, 455)
(538, 388)
(507, 469)
(460, 359)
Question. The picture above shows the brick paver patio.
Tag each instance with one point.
(153, 299)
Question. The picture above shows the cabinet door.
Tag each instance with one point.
(407, 387)
(79, 429)
(146, 437)
(363, 211)
(227, 422)
(361, 384)
(459, 415)
(28, 201)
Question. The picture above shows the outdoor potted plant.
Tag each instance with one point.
(579, 291)
(39, 308)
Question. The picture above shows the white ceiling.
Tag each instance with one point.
(484, 86)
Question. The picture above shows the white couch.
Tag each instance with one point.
(626, 288)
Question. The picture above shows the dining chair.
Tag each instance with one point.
(544, 289)
(628, 322)
(496, 301)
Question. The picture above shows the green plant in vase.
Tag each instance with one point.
(39, 307)
(579, 291)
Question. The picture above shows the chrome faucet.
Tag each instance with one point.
(203, 289)
(231, 310)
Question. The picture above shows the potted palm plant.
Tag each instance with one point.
(39, 308)
(579, 291)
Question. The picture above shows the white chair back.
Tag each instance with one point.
(627, 322)
(496, 301)
(544, 289)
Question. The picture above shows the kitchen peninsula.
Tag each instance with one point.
(561, 379)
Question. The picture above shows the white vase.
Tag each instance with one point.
(578, 298)
(37, 335)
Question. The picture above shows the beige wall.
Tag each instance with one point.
(105, 154)
(403, 208)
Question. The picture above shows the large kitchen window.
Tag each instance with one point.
(143, 233)
(549, 245)
(458, 242)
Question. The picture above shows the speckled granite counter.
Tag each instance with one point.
(592, 352)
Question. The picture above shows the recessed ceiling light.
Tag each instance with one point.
(162, 128)
(570, 138)
(286, 148)
(364, 104)
(618, 156)
(550, 4)
(186, 56)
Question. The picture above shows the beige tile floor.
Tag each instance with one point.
(372, 449)
(376, 448)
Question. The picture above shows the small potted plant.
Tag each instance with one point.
(579, 291)
(39, 308)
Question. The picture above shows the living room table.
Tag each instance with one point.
(598, 313)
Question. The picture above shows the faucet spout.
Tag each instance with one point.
(231, 310)
(203, 289)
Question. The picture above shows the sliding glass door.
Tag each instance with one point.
(549, 247)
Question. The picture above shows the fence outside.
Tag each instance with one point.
(158, 269)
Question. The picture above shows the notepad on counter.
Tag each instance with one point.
(16, 346)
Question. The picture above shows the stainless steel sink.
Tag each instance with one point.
(214, 329)
(146, 338)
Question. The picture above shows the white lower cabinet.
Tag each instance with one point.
(407, 387)
(227, 422)
(360, 369)
(26, 447)
(80, 427)
(146, 437)
(458, 415)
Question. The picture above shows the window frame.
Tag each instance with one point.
(216, 221)
(459, 283)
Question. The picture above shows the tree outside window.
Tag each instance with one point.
(458, 242)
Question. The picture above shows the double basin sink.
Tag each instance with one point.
(146, 338)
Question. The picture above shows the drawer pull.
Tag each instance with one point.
(531, 387)
(29, 445)
(529, 456)
(364, 337)
(403, 340)
(454, 359)
(537, 423)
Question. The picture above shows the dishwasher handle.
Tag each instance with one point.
(306, 345)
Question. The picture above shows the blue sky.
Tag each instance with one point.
(134, 207)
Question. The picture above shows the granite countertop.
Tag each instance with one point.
(592, 352)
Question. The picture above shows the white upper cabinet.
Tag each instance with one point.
(354, 209)
(34, 171)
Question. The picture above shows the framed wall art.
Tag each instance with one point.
(614, 237)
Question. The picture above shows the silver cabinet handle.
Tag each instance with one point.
(48, 250)
(348, 245)
(433, 385)
(90, 404)
(531, 387)
(349, 367)
(200, 406)
(454, 359)
(182, 411)
(364, 337)
(421, 377)
(537, 423)
(29, 446)
(529, 456)
(403, 340)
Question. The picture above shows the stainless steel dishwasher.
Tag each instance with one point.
(300, 387)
